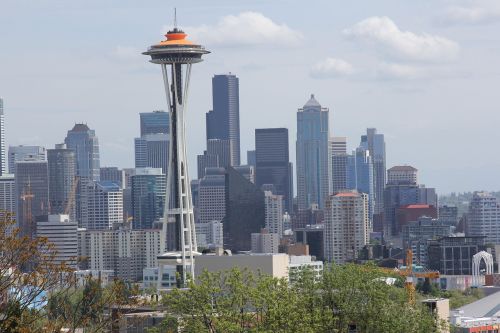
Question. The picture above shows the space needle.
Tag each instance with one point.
(176, 55)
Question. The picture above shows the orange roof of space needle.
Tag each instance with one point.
(175, 37)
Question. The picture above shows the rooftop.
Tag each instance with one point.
(402, 168)
(488, 306)
(312, 102)
(80, 128)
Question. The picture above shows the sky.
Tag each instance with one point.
(425, 73)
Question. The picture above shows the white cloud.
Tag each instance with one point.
(405, 45)
(246, 28)
(475, 14)
(331, 67)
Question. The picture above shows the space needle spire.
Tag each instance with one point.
(175, 55)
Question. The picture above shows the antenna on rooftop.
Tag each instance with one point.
(175, 18)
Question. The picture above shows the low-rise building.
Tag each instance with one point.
(265, 242)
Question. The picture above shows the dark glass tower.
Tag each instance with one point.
(245, 211)
(375, 144)
(223, 122)
(83, 141)
(272, 162)
(62, 172)
(154, 122)
(148, 197)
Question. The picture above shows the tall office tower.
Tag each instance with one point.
(62, 181)
(3, 152)
(148, 197)
(60, 231)
(86, 146)
(312, 155)
(206, 161)
(246, 171)
(127, 252)
(375, 144)
(272, 162)
(221, 148)
(113, 174)
(7, 195)
(32, 194)
(274, 213)
(102, 205)
(338, 163)
(212, 196)
(346, 226)
(360, 176)
(23, 153)
(402, 174)
(251, 158)
(484, 217)
(175, 54)
(223, 122)
(154, 122)
(127, 192)
(245, 211)
(401, 190)
(151, 151)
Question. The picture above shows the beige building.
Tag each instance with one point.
(265, 242)
(347, 225)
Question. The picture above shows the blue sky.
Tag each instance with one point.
(425, 73)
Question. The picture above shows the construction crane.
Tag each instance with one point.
(72, 195)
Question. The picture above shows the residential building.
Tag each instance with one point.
(245, 211)
(102, 205)
(62, 180)
(312, 155)
(483, 218)
(265, 242)
(154, 122)
(25, 153)
(347, 226)
(274, 213)
(32, 194)
(223, 122)
(3, 151)
(127, 252)
(272, 162)
(149, 191)
(61, 232)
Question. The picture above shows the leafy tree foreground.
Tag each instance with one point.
(344, 297)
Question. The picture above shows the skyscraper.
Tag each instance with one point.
(154, 122)
(148, 197)
(113, 174)
(274, 213)
(245, 211)
(312, 154)
(272, 162)
(151, 151)
(22, 153)
(375, 144)
(360, 176)
(212, 196)
(32, 194)
(62, 187)
(346, 226)
(223, 122)
(102, 205)
(484, 217)
(206, 161)
(177, 54)
(338, 160)
(7, 195)
(84, 142)
(3, 152)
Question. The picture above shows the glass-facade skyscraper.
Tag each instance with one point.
(83, 141)
(154, 122)
(223, 122)
(313, 185)
(273, 163)
(148, 197)
(360, 176)
(375, 144)
(62, 172)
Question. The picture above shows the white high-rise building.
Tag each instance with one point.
(62, 233)
(274, 213)
(209, 234)
(102, 205)
(127, 252)
(7, 194)
(484, 217)
(347, 225)
(265, 242)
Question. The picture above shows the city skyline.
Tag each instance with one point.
(444, 89)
